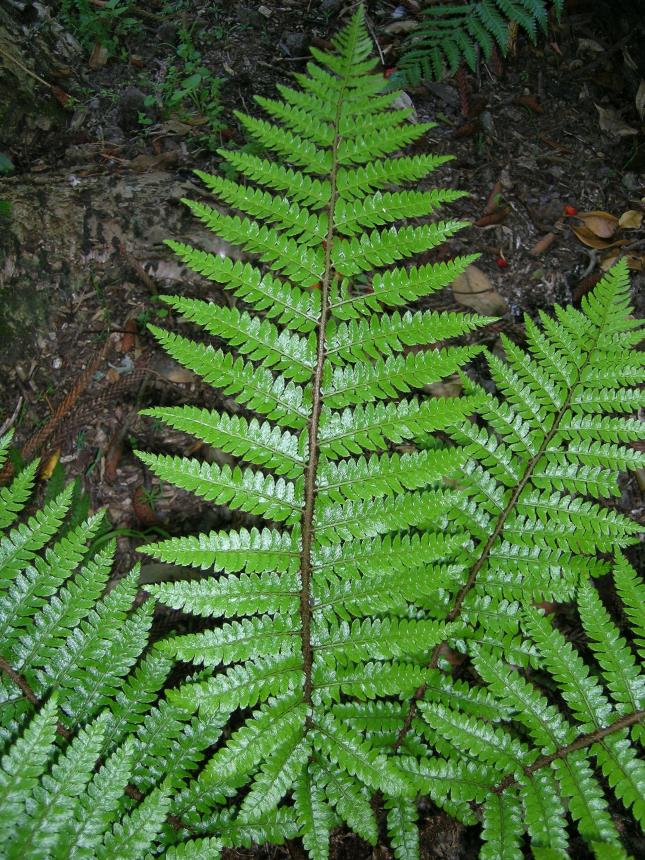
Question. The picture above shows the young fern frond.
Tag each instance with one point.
(543, 762)
(452, 33)
(320, 598)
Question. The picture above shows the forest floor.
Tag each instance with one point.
(548, 133)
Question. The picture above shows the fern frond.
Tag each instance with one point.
(450, 34)
(537, 786)
(531, 475)
(330, 598)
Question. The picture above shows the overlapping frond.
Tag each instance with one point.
(550, 759)
(89, 753)
(547, 453)
(450, 34)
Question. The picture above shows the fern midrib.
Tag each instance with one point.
(307, 521)
(581, 742)
(499, 527)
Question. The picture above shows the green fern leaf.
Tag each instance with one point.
(23, 765)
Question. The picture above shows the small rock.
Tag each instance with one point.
(167, 33)
(132, 103)
(293, 44)
(250, 17)
(113, 134)
(329, 6)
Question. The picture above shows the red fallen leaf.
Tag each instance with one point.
(570, 211)
(529, 102)
(113, 458)
(493, 198)
(495, 217)
(129, 339)
(60, 95)
(502, 262)
(542, 245)
(142, 510)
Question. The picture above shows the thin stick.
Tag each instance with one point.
(25, 69)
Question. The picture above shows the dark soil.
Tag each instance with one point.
(526, 138)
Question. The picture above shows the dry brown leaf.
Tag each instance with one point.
(129, 339)
(474, 289)
(171, 370)
(113, 458)
(635, 263)
(631, 220)
(592, 241)
(98, 57)
(542, 245)
(603, 224)
(613, 124)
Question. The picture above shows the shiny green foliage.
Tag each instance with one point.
(546, 455)
(544, 732)
(536, 764)
(89, 757)
(324, 601)
(450, 34)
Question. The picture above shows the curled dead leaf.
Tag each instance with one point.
(631, 220)
(613, 124)
(47, 468)
(542, 245)
(603, 224)
(474, 289)
(495, 217)
(591, 240)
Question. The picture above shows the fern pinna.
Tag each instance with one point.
(452, 33)
(547, 450)
(320, 598)
(89, 759)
